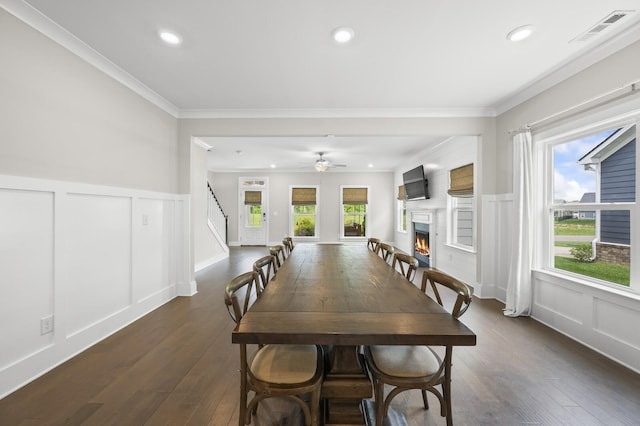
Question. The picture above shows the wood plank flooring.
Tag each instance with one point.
(177, 366)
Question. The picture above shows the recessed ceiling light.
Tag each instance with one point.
(273, 166)
(170, 37)
(370, 165)
(520, 33)
(342, 34)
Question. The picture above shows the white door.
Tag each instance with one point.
(253, 212)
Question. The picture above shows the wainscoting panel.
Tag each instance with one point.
(153, 246)
(92, 259)
(26, 262)
(555, 299)
(601, 318)
(496, 246)
(617, 322)
(99, 248)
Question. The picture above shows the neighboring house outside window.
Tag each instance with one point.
(602, 228)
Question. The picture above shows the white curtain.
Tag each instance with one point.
(519, 291)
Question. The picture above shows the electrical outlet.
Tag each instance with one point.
(46, 325)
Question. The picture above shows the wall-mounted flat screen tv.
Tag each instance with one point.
(415, 184)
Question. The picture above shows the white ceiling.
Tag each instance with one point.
(275, 58)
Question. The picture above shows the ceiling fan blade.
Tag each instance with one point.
(337, 165)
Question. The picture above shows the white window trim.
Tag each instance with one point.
(341, 236)
(451, 227)
(399, 209)
(543, 142)
(317, 230)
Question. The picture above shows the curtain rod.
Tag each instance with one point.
(633, 87)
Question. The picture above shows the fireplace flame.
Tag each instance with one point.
(422, 244)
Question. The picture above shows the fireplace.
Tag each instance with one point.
(421, 249)
(421, 222)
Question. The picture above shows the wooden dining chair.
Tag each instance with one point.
(287, 242)
(279, 254)
(407, 265)
(385, 251)
(290, 371)
(417, 367)
(372, 244)
(266, 269)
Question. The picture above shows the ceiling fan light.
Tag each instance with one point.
(321, 166)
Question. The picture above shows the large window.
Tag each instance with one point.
(592, 203)
(304, 211)
(461, 208)
(354, 201)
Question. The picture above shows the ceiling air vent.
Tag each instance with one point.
(605, 23)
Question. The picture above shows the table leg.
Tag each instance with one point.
(345, 386)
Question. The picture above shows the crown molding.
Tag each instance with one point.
(337, 113)
(34, 18)
(570, 67)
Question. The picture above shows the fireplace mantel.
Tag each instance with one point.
(422, 216)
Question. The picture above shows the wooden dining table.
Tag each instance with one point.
(343, 296)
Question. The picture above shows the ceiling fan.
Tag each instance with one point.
(323, 164)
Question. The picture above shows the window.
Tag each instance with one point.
(304, 211)
(354, 202)
(253, 208)
(461, 208)
(402, 209)
(592, 206)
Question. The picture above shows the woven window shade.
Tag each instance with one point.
(354, 196)
(402, 195)
(461, 181)
(303, 196)
(252, 197)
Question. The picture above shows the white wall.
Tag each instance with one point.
(92, 230)
(597, 316)
(206, 248)
(63, 119)
(438, 161)
(381, 201)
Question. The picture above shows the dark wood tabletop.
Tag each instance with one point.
(334, 294)
(343, 296)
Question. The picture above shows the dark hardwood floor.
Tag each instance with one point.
(177, 366)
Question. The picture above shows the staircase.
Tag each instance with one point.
(218, 220)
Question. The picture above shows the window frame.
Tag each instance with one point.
(401, 212)
(316, 215)
(452, 223)
(341, 231)
(545, 204)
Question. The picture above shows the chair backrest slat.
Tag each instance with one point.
(372, 244)
(278, 252)
(463, 292)
(266, 269)
(385, 251)
(244, 287)
(408, 265)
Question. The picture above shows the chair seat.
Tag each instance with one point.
(285, 364)
(405, 361)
